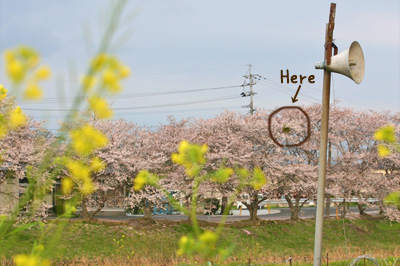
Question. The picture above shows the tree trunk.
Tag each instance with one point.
(294, 214)
(381, 207)
(328, 207)
(253, 211)
(294, 208)
(224, 203)
(344, 207)
(147, 210)
(85, 213)
(92, 214)
(253, 207)
(361, 208)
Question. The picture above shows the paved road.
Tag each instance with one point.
(276, 214)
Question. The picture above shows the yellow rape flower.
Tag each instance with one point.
(81, 173)
(99, 61)
(144, 177)
(87, 139)
(191, 156)
(29, 54)
(88, 83)
(124, 72)
(16, 71)
(222, 175)
(383, 150)
(33, 91)
(30, 260)
(42, 73)
(17, 118)
(207, 240)
(97, 165)
(9, 55)
(87, 188)
(66, 185)
(100, 107)
(259, 179)
(386, 134)
(78, 170)
(111, 81)
(186, 245)
(3, 92)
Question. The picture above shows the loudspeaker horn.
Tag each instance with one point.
(349, 63)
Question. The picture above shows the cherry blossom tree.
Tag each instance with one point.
(354, 159)
(19, 148)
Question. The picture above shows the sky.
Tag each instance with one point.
(202, 49)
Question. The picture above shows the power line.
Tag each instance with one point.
(125, 96)
(157, 73)
(144, 107)
(287, 91)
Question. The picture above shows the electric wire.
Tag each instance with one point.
(278, 88)
(145, 107)
(156, 73)
(126, 96)
(290, 90)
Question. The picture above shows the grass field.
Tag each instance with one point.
(270, 243)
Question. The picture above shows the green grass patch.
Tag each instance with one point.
(271, 242)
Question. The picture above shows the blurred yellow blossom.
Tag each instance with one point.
(99, 62)
(15, 71)
(144, 177)
(42, 73)
(78, 170)
(186, 245)
(87, 188)
(207, 240)
(100, 107)
(87, 139)
(386, 134)
(222, 175)
(81, 173)
(383, 150)
(88, 83)
(66, 185)
(97, 164)
(17, 118)
(3, 92)
(33, 91)
(30, 260)
(191, 156)
(111, 81)
(9, 55)
(21, 63)
(259, 179)
(124, 72)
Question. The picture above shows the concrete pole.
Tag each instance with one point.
(251, 91)
(324, 140)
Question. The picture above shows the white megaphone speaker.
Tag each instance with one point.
(349, 63)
